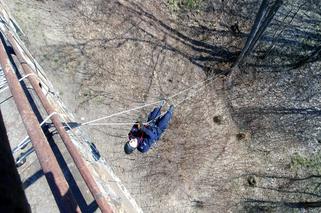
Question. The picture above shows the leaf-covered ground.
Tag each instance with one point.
(251, 146)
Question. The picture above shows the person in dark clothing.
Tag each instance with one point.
(142, 136)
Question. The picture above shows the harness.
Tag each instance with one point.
(140, 137)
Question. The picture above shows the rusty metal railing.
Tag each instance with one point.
(48, 162)
(55, 118)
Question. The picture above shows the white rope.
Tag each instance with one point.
(189, 88)
(21, 79)
(27, 140)
(120, 113)
(94, 122)
(94, 151)
(115, 124)
(42, 78)
(29, 56)
(196, 91)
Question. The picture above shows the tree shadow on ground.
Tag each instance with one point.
(145, 27)
(301, 193)
(138, 25)
(74, 189)
(276, 93)
(286, 44)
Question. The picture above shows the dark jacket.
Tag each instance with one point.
(152, 134)
(146, 136)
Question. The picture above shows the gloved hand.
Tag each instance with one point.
(139, 124)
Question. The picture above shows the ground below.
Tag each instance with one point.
(217, 155)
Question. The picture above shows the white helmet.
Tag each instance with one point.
(130, 146)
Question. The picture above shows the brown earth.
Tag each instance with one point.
(109, 56)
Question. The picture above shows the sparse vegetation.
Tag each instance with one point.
(307, 163)
(184, 4)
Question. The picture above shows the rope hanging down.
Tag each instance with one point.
(21, 79)
(198, 86)
(94, 122)
(26, 140)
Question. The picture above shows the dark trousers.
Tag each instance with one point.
(161, 122)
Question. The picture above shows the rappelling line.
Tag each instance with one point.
(25, 141)
(120, 113)
(21, 79)
(113, 124)
(4, 82)
(196, 91)
(25, 50)
(31, 59)
(43, 80)
(93, 122)
(189, 88)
